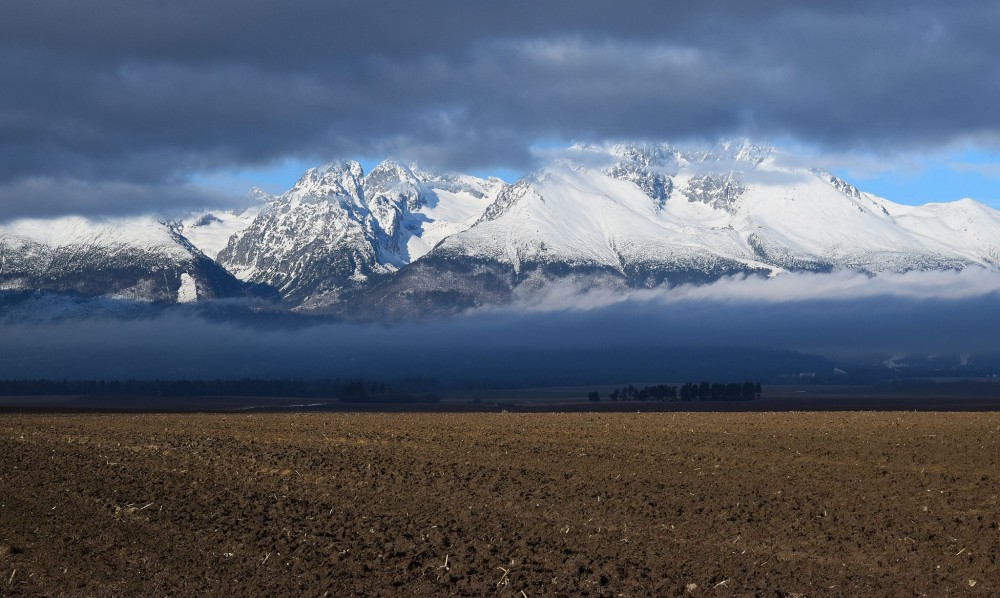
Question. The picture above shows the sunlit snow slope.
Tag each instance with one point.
(640, 216)
(138, 259)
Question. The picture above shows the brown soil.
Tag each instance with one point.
(752, 504)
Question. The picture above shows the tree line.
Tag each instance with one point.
(360, 390)
(350, 390)
(702, 391)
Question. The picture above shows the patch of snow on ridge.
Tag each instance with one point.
(188, 291)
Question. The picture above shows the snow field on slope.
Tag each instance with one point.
(213, 237)
(143, 233)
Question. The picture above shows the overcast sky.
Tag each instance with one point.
(110, 106)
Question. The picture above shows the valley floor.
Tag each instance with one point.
(508, 504)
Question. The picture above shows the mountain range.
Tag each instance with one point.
(401, 242)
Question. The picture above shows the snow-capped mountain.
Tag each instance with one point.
(337, 228)
(133, 259)
(736, 207)
(652, 214)
(400, 241)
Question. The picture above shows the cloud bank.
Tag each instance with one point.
(117, 91)
(734, 328)
(787, 287)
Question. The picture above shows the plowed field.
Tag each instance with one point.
(669, 504)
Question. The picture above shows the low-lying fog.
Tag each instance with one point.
(735, 328)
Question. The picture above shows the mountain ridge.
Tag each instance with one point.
(337, 228)
(400, 242)
(136, 259)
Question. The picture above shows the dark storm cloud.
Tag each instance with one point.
(42, 198)
(146, 92)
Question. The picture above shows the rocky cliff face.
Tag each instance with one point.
(337, 230)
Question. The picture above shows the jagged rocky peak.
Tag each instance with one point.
(395, 183)
(716, 175)
(838, 183)
(650, 166)
(509, 196)
(645, 154)
(709, 175)
(743, 150)
(721, 191)
(391, 189)
(712, 176)
(257, 197)
(390, 173)
(338, 227)
(623, 152)
(737, 154)
(336, 179)
(405, 200)
(665, 155)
